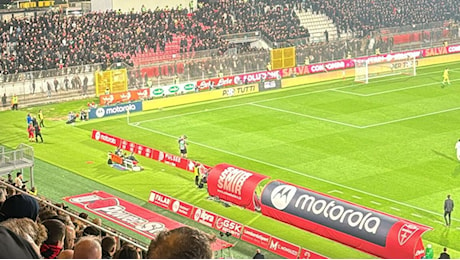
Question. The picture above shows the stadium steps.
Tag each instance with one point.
(316, 25)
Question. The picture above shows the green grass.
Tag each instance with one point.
(387, 145)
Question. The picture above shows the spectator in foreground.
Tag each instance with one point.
(87, 247)
(19, 206)
(181, 243)
(15, 247)
(127, 251)
(109, 246)
(55, 242)
(33, 232)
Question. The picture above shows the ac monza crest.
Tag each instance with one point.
(406, 232)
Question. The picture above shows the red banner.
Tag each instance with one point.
(125, 145)
(239, 79)
(308, 254)
(283, 248)
(122, 97)
(127, 214)
(234, 184)
(204, 217)
(255, 237)
(365, 229)
(226, 225)
(159, 199)
(181, 208)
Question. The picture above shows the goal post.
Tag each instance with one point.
(366, 69)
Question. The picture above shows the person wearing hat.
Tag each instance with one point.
(19, 206)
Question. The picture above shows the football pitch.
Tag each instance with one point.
(387, 145)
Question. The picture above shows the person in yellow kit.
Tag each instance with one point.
(445, 77)
(14, 102)
(41, 118)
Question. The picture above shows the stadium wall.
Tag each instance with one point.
(317, 72)
(201, 96)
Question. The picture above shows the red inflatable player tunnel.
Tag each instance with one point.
(235, 185)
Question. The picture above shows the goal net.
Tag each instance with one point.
(366, 69)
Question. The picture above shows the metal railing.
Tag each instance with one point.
(105, 229)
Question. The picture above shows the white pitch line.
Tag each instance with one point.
(393, 208)
(356, 197)
(349, 92)
(387, 91)
(439, 222)
(333, 191)
(416, 215)
(375, 202)
(411, 117)
(299, 173)
(305, 115)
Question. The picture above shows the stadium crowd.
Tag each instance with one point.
(54, 41)
(34, 229)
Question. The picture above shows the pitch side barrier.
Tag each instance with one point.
(365, 229)
(237, 230)
(145, 151)
(247, 83)
(345, 68)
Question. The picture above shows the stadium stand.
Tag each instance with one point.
(18, 204)
(164, 43)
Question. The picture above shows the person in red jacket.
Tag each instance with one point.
(31, 130)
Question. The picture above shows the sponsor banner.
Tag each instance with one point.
(269, 85)
(350, 63)
(159, 199)
(129, 215)
(234, 184)
(226, 225)
(239, 79)
(365, 229)
(177, 89)
(105, 138)
(327, 211)
(308, 254)
(114, 110)
(176, 161)
(204, 217)
(255, 237)
(124, 213)
(453, 49)
(283, 248)
(169, 203)
(238, 91)
(181, 208)
(125, 145)
(123, 97)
